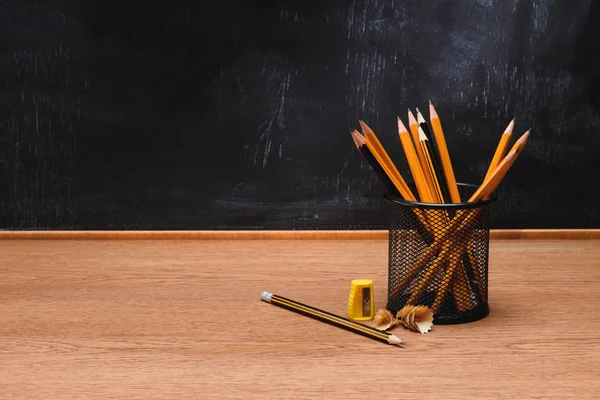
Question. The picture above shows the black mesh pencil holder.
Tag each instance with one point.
(438, 256)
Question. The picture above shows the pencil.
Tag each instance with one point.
(450, 262)
(472, 281)
(413, 163)
(488, 187)
(435, 159)
(438, 249)
(462, 289)
(483, 192)
(440, 142)
(332, 319)
(500, 150)
(414, 131)
(361, 145)
(426, 148)
(448, 277)
(386, 162)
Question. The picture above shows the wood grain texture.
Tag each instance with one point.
(183, 319)
(577, 234)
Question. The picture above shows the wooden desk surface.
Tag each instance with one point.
(183, 319)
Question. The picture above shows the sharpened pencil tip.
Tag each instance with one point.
(411, 118)
(420, 118)
(359, 139)
(432, 113)
(365, 128)
(523, 139)
(510, 127)
(422, 135)
(393, 339)
(401, 127)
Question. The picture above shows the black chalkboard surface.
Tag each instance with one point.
(236, 114)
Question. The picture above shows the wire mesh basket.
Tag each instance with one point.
(438, 256)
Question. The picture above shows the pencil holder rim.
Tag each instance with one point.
(481, 203)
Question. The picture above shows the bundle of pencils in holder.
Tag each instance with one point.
(439, 237)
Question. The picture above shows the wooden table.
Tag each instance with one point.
(106, 319)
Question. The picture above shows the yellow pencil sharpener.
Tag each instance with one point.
(361, 306)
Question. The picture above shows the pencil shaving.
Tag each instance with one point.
(423, 318)
(417, 318)
(384, 319)
(410, 321)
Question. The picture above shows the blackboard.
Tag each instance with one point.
(236, 114)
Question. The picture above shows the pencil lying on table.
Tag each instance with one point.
(332, 319)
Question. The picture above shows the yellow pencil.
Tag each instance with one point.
(414, 131)
(440, 142)
(438, 252)
(385, 174)
(500, 150)
(454, 262)
(487, 188)
(386, 162)
(413, 163)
